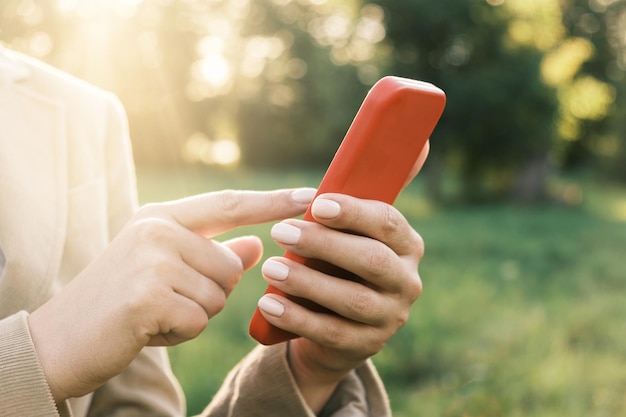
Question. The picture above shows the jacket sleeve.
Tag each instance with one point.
(147, 387)
(23, 387)
(262, 384)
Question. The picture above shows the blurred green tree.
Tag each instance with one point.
(600, 144)
(533, 85)
(303, 103)
(497, 130)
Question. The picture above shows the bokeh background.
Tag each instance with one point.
(522, 202)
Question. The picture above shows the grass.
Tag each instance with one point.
(522, 314)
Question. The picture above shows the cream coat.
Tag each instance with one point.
(66, 188)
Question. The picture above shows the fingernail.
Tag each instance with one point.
(275, 270)
(285, 233)
(303, 195)
(271, 306)
(325, 208)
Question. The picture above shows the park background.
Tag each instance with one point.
(522, 203)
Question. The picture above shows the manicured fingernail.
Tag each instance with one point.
(325, 208)
(275, 270)
(303, 195)
(271, 306)
(285, 233)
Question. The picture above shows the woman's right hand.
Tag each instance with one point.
(158, 283)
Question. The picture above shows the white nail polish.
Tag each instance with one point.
(285, 233)
(275, 270)
(303, 195)
(271, 306)
(325, 208)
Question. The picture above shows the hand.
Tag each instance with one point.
(158, 283)
(384, 252)
(381, 249)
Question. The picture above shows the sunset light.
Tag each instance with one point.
(110, 105)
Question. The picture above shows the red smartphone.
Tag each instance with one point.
(373, 162)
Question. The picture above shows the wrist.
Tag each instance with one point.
(44, 345)
(315, 381)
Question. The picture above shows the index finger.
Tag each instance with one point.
(374, 219)
(216, 212)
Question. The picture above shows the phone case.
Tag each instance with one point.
(373, 162)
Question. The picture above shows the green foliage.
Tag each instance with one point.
(522, 310)
(602, 144)
(499, 116)
(307, 132)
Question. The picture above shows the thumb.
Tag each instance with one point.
(248, 248)
(419, 163)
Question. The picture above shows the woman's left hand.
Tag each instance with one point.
(373, 241)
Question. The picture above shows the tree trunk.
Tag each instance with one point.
(434, 178)
(530, 185)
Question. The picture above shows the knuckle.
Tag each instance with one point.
(234, 271)
(149, 210)
(418, 244)
(230, 283)
(414, 288)
(377, 339)
(196, 322)
(363, 303)
(218, 302)
(316, 242)
(357, 214)
(402, 319)
(378, 261)
(153, 229)
(228, 203)
(298, 320)
(325, 244)
(392, 220)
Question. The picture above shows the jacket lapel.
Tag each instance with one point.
(33, 188)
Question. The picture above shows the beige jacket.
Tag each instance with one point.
(66, 188)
